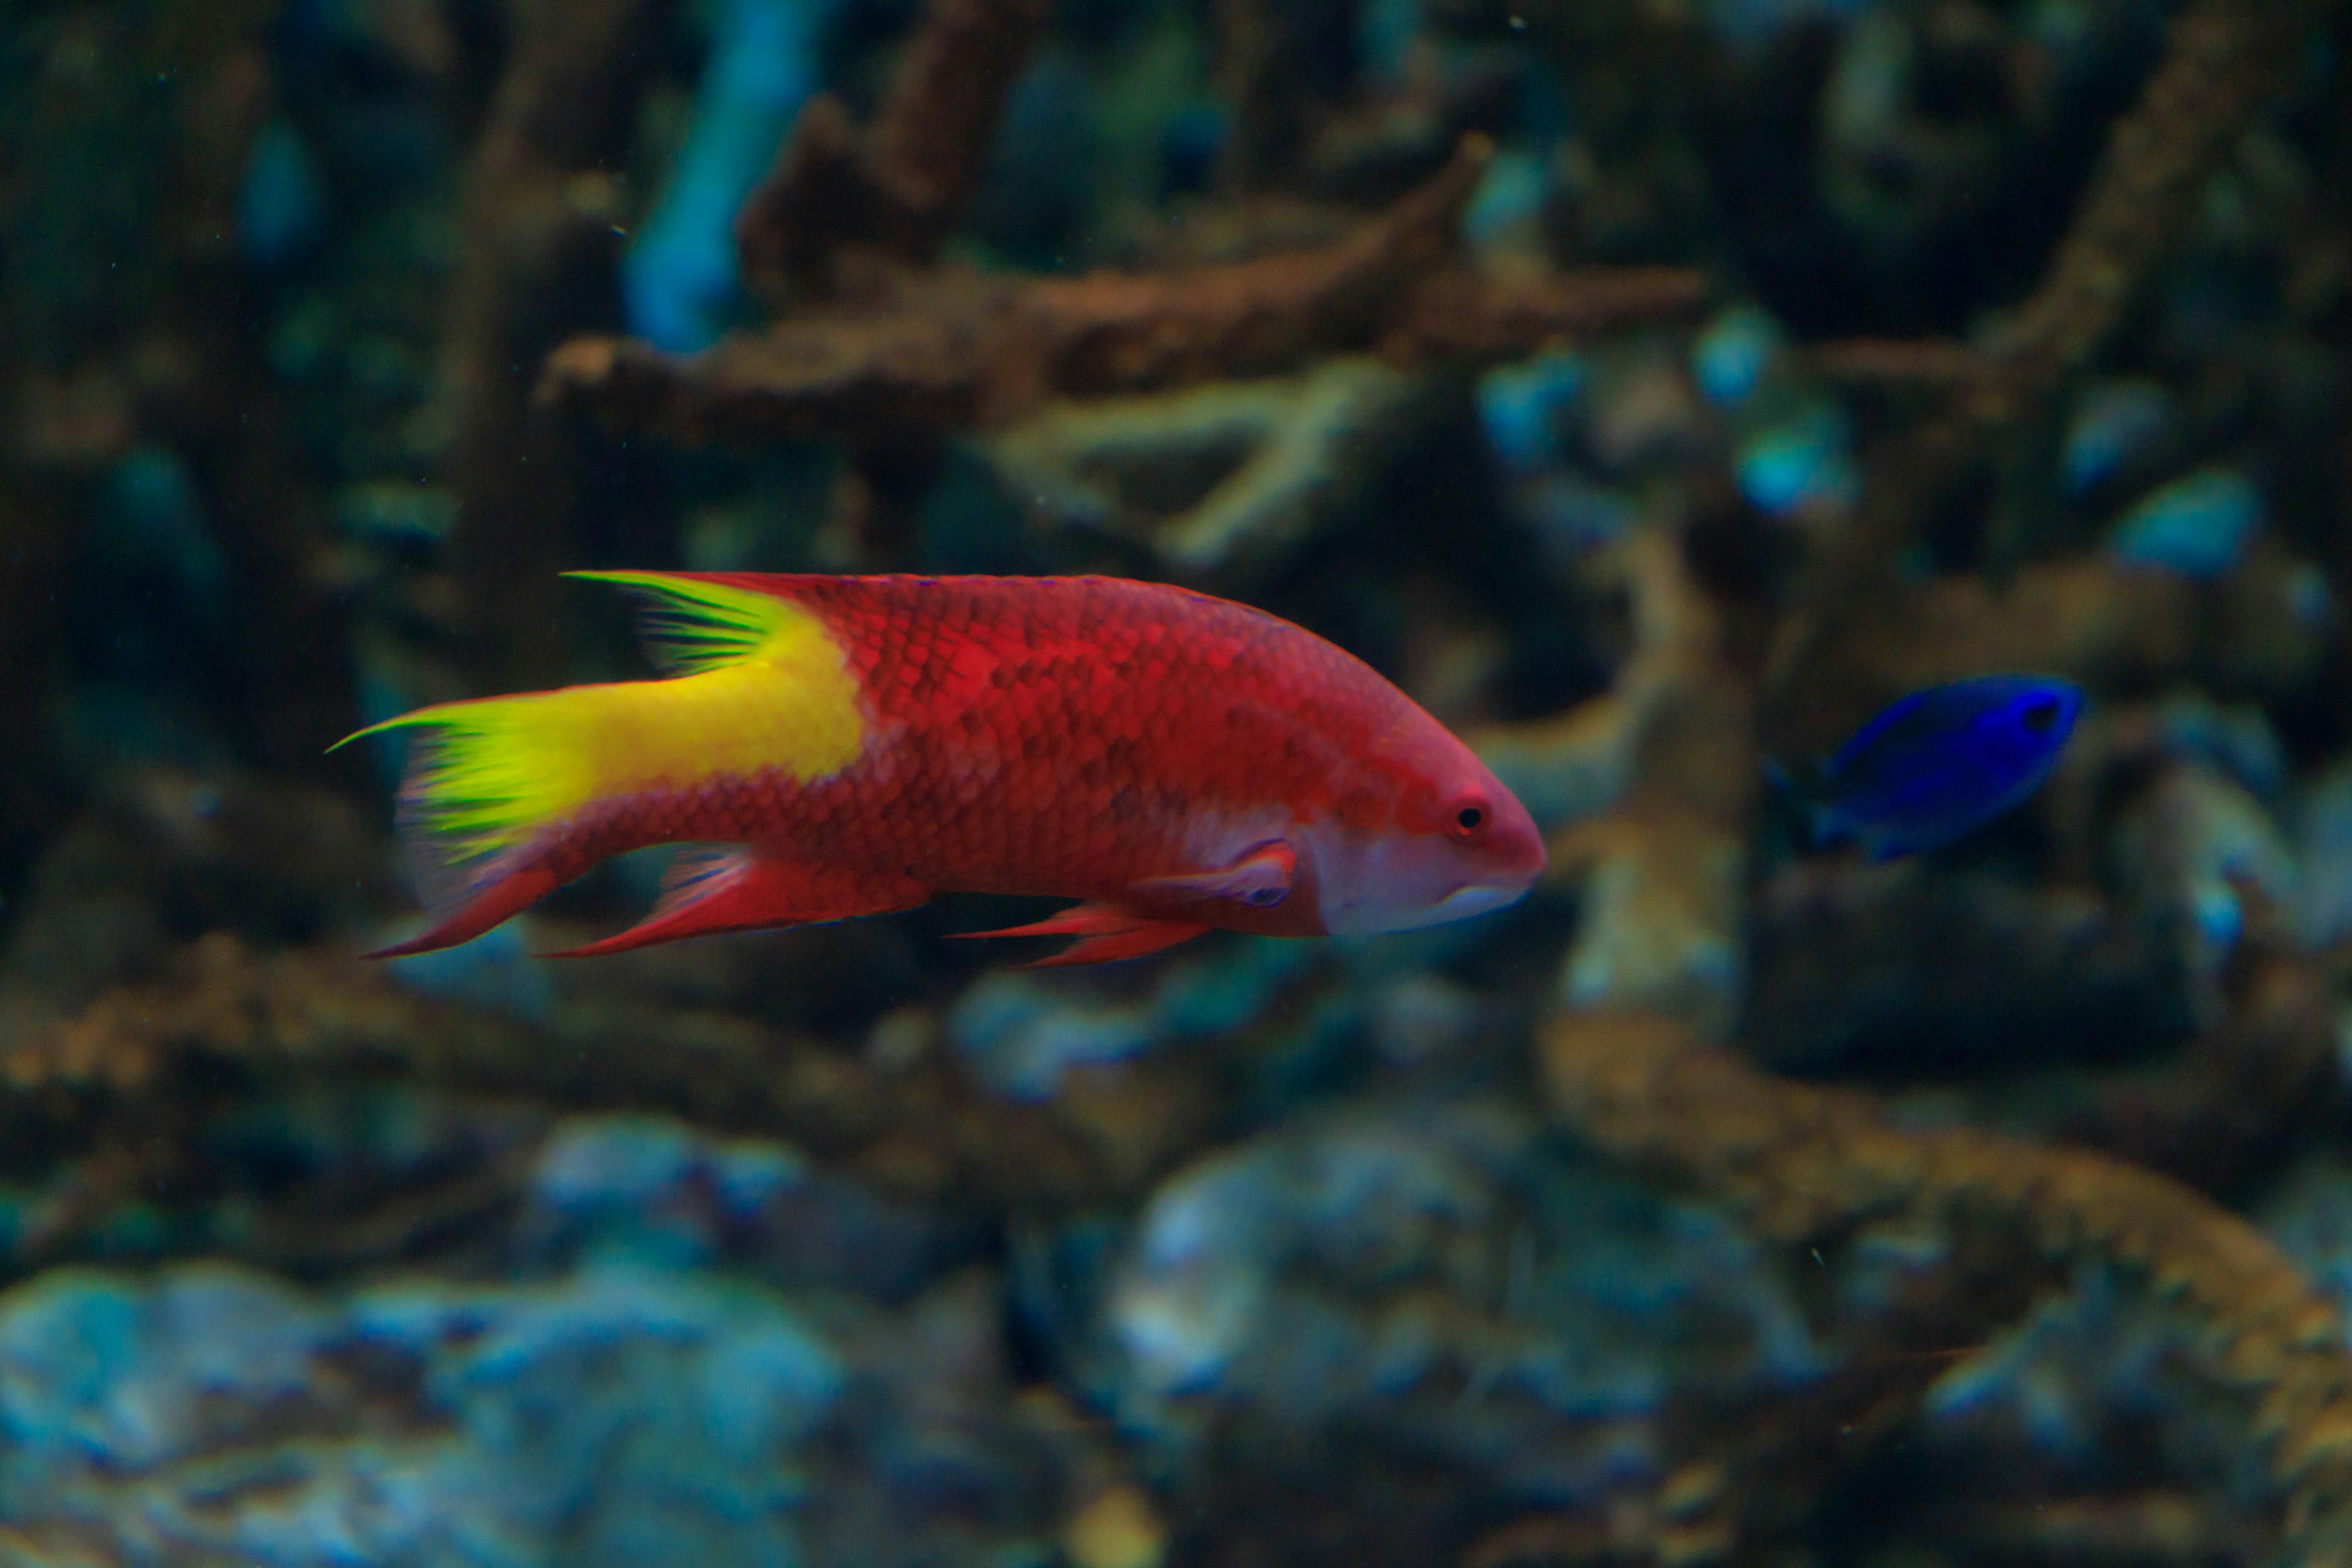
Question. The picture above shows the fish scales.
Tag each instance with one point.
(971, 786)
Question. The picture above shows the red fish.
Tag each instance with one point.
(854, 745)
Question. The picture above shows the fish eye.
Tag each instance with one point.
(1469, 817)
(2041, 715)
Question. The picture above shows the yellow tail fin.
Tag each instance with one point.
(758, 683)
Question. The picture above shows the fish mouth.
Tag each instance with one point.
(1477, 898)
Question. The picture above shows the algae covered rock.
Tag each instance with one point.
(612, 1416)
(1439, 1284)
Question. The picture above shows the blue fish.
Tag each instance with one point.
(1940, 763)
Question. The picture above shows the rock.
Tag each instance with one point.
(1442, 1280)
(610, 1416)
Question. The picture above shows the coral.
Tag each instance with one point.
(280, 207)
(1276, 457)
(1651, 390)
(2187, 850)
(1432, 1280)
(1576, 764)
(946, 349)
(665, 1195)
(537, 222)
(1891, 969)
(1459, 315)
(1657, 965)
(678, 276)
(2324, 855)
(1864, 965)
(899, 184)
(2091, 1359)
(1664, 870)
(1798, 466)
(164, 855)
(157, 1058)
(2306, 1213)
(1522, 407)
(2224, 60)
(1119, 1529)
(1804, 1164)
(950, 347)
(1022, 1033)
(612, 1415)
(1260, 52)
(2091, 618)
(1732, 354)
(1897, 364)
(2227, 1109)
(130, 323)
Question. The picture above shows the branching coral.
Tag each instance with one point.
(1664, 869)
(1418, 1267)
(538, 227)
(950, 349)
(2225, 58)
(887, 354)
(680, 278)
(1807, 1164)
(246, 459)
(2087, 617)
(147, 1062)
(2227, 1111)
(1568, 766)
(1860, 966)
(901, 183)
(1656, 961)
(1460, 315)
(1656, 964)
(1264, 461)
(127, 321)
(947, 349)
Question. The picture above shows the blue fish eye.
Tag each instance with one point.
(2041, 715)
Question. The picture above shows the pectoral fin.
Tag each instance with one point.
(1106, 933)
(1260, 879)
(739, 889)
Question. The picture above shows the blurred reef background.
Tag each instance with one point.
(1649, 386)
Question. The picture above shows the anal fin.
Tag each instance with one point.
(498, 898)
(739, 889)
(1104, 932)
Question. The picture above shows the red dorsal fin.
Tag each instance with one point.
(1260, 879)
(1106, 932)
(717, 890)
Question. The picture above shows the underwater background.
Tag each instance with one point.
(1655, 389)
